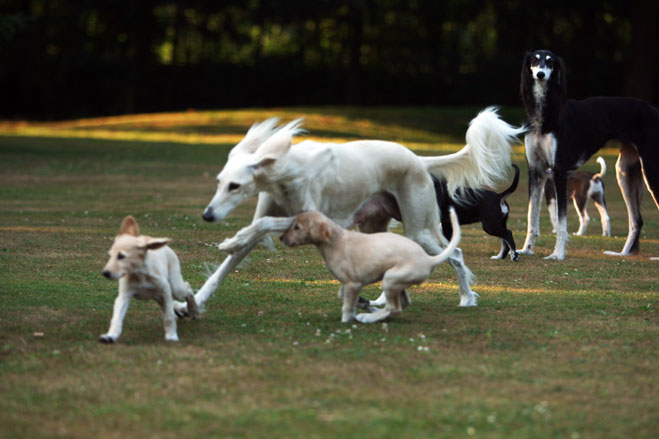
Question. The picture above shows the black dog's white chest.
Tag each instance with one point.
(540, 150)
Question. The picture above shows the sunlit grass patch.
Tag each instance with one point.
(554, 349)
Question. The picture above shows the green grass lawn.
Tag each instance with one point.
(563, 349)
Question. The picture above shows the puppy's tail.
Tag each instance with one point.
(513, 186)
(485, 159)
(602, 171)
(453, 244)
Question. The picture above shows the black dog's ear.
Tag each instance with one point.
(559, 67)
(526, 82)
(559, 81)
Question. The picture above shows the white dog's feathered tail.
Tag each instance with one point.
(485, 161)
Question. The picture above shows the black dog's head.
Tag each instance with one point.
(547, 69)
(540, 64)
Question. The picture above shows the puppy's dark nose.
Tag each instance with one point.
(541, 75)
(208, 215)
(107, 273)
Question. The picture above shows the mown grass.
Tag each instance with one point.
(555, 349)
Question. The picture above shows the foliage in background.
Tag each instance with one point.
(63, 58)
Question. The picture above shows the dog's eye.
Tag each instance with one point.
(121, 256)
(233, 186)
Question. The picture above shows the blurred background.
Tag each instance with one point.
(75, 58)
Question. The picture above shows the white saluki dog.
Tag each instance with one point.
(337, 179)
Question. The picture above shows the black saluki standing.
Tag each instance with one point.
(566, 133)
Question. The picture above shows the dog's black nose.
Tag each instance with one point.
(107, 273)
(208, 215)
(541, 75)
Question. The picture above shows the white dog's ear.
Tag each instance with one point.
(129, 226)
(261, 167)
(281, 140)
(155, 243)
(257, 134)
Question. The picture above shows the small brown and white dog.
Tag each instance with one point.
(359, 259)
(581, 186)
(146, 268)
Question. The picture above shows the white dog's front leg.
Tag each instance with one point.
(255, 232)
(213, 282)
(118, 313)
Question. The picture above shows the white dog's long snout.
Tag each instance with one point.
(208, 215)
(541, 73)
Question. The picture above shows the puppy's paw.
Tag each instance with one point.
(107, 339)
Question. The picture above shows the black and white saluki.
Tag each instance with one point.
(566, 133)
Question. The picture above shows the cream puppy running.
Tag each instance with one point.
(146, 268)
(359, 259)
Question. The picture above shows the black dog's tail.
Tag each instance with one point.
(513, 186)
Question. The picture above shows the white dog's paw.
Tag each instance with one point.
(372, 317)
(236, 242)
(554, 257)
(470, 300)
(610, 253)
(380, 301)
(171, 337)
(525, 251)
(231, 245)
(181, 310)
(107, 339)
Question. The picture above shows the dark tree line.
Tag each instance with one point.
(67, 58)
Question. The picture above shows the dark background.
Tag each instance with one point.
(73, 58)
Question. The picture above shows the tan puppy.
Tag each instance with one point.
(146, 269)
(359, 259)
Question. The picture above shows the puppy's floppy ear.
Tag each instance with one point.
(129, 226)
(155, 243)
(321, 233)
